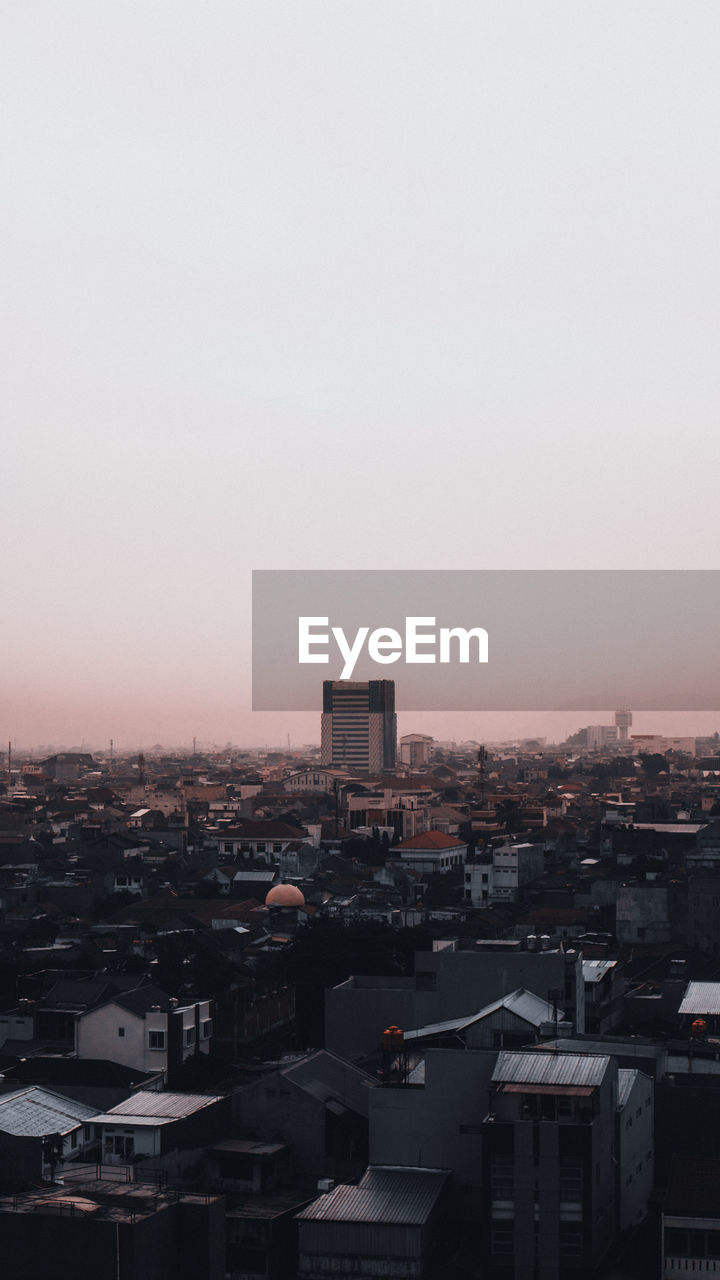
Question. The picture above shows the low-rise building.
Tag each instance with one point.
(386, 1225)
(432, 852)
(146, 1029)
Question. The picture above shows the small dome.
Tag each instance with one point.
(285, 895)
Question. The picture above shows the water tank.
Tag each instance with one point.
(532, 942)
(544, 942)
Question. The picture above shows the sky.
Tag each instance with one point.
(304, 284)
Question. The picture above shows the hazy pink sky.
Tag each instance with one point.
(321, 285)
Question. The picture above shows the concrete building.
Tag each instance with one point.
(145, 1029)
(319, 1105)
(691, 1218)
(513, 1020)
(514, 868)
(604, 990)
(359, 725)
(623, 724)
(400, 813)
(112, 1231)
(600, 737)
(554, 1178)
(449, 983)
(416, 750)
(261, 841)
(642, 913)
(478, 889)
(432, 852)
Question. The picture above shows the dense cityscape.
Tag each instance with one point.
(378, 1007)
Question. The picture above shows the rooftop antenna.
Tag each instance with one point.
(111, 755)
(482, 758)
(9, 762)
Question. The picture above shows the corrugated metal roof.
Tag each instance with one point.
(385, 1194)
(324, 1076)
(524, 1004)
(701, 997)
(35, 1112)
(149, 1105)
(565, 1090)
(550, 1068)
(594, 970)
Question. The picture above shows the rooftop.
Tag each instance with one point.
(385, 1194)
(36, 1112)
(701, 997)
(146, 1107)
(555, 1069)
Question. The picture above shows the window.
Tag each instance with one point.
(73, 1138)
(501, 1178)
(189, 1035)
(121, 1031)
(156, 1039)
(207, 1028)
(571, 1240)
(119, 1144)
(260, 846)
(571, 1180)
(502, 1239)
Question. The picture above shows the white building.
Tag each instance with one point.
(144, 1029)
(432, 851)
(513, 867)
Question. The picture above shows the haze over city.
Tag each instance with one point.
(296, 288)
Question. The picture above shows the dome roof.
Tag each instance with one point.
(285, 895)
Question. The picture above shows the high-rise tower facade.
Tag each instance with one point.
(359, 726)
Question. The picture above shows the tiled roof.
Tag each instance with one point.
(432, 840)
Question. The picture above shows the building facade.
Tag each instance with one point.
(359, 725)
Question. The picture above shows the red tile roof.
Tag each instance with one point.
(432, 840)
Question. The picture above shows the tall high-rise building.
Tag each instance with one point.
(623, 721)
(359, 726)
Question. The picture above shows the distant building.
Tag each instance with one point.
(623, 722)
(68, 766)
(416, 750)
(359, 725)
(432, 852)
(601, 736)
(515, 866)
